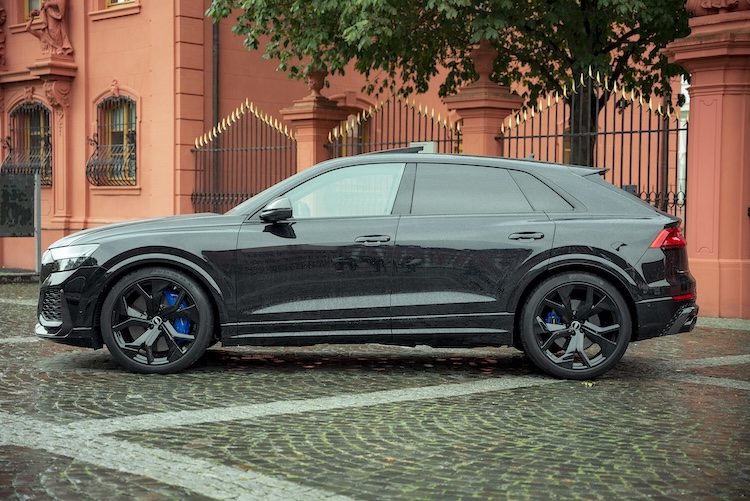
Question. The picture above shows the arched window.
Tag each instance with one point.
(29, 142)
(113, 162)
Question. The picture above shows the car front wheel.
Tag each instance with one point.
(157, 321)
(575, 326)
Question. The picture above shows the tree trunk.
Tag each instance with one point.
(584, 113)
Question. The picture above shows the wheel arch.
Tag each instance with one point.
(619, 280)
(176, 263)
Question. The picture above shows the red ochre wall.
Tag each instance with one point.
(160, 55)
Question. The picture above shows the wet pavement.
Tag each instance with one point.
(371, 422)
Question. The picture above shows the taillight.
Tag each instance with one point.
(669, 238)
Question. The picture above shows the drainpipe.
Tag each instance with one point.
(215, 111)
(215, 76)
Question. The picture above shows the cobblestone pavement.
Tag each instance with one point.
(372, 422)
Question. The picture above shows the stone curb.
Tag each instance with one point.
(18, 277)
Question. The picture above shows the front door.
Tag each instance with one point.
(326, 271)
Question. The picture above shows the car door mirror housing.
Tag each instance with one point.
(278, 210)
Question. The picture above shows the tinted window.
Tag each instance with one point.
(466, 189)
(541, 196)
(361, 190)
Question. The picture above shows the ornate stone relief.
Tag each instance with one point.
(3, 19)
(57, 94)
(52, 30)
(708, 7)
(114, 88)
(28, 94)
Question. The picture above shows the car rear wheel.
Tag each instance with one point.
(575, 326)
(157, 321)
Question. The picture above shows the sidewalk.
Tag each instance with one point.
(738, 324)
(16, 275)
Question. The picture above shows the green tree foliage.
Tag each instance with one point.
(401, 44)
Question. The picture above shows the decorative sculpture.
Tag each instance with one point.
(707, 7)
(52, 31)
(3, 19)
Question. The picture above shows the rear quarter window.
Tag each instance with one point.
(540, 196)
(466, 189)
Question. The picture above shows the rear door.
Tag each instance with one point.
(470, 236)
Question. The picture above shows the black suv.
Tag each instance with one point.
(395, 248)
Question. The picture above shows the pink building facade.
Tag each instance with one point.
(149, 77)
(158, 59)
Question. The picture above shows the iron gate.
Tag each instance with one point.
(241, 156)
(393, 123)
(642, 143)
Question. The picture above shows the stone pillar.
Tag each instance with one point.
(483, 106)
(312, 118)
(717, 54)
(57, 73)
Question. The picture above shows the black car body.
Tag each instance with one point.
(395, 247)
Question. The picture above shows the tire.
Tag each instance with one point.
(575, 326)
(157, 321)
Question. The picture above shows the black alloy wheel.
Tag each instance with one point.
(575, 326)
(157, 321)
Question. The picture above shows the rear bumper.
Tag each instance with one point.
(665, 318)
(685, 321)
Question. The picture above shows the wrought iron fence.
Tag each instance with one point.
(393, 123)
(242, 155)
(643, 144)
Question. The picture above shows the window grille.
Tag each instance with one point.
(113, 162)
(29, 144)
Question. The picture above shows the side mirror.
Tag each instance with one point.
(278, 210)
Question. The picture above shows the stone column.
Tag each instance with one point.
(312, 118)
(717, 54)
(483, 106)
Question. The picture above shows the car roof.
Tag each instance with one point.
(413, 154)
(581, 186)
(584, 185)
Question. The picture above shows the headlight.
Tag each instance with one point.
(68, 258)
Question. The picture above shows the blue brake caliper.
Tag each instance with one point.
(181, 324)
(553, 318)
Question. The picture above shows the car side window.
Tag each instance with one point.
(541, 196)
(355, 191)
(466, 189)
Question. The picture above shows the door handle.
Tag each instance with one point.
(526, 235)
(372, 239)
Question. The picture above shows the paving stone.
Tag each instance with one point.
(671, 421)
(36, 475)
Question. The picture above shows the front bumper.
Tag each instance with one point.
(64, 314)
(84, 338)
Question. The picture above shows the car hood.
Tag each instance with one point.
(141, 226)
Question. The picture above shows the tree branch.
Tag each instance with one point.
(620, 40)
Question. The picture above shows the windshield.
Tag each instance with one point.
(244, 207)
